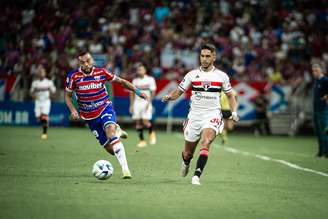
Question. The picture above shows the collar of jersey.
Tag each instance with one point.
(201, 70)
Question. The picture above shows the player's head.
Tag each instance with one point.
(86, 62)
(207, 55)
(141, 70)
(41, 72)
(316, 70)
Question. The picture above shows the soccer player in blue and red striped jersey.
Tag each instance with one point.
(88, 84)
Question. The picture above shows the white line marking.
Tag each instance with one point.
(266, 158)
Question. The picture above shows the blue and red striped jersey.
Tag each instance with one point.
(90, 90)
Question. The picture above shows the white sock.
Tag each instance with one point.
(119, 151)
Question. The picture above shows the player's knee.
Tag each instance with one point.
(206, 142)
(110, 130)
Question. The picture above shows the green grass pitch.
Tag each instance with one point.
(52, 178)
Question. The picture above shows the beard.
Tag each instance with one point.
(86, 69)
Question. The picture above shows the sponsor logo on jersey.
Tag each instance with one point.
(199, 96)
(90, 86)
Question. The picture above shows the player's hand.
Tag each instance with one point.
(144, 96)
(75, 115)
(166, 98)
(234, 116)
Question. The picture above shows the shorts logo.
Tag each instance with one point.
(206, 85)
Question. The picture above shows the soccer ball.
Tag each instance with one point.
(102, 169)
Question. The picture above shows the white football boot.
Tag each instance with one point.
(195, 180)
(184, 169)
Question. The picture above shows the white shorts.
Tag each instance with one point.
(141, 111)
(195, 124)
(42, 108)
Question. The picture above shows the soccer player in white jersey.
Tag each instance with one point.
(41, 89)
(204, 120)
(141, 109)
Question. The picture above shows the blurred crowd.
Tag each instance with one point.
(256, 40)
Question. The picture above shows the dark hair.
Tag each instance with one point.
(82, 53)
(208, 46)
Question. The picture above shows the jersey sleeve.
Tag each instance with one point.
(110, 76)
(226, 86)
(185, 83)
(69, 83)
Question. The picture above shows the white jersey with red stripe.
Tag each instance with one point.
(147, 85)
(206, 89)
(42, 89)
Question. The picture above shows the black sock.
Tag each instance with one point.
(201, 162)
(141, 136)
(187, 162)
(150, 129)
(44, 126)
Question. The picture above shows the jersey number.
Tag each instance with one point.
(216, 121)
(95, 133)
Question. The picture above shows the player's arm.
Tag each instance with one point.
(126, 84)
(183, 86)
(173, 95)
(132, 97)
(52, 89)
(233, 106)
(69, 104)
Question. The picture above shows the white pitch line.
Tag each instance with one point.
(266, 158)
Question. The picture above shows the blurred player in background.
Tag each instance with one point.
(41, 89)
(204, 120)
(88, 84)
(141, 109)
(226, 114)
(320, 109)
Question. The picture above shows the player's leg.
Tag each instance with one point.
(152, 136)
(44, 123)
(322, 134)
(116, 147)
(224, 134)
(140, 130)
(45, 110)
(207, 137)
(147, 116)
(37, 112)
(136, 116)
(191, 136)
(316, 120)
(187, 155)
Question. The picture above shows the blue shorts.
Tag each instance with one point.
(98, 125)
